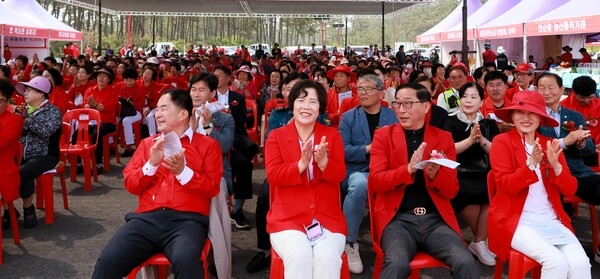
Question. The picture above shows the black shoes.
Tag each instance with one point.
(29, 217)
(127, 153)
(6, 219)
(239, 220)
(258, 263)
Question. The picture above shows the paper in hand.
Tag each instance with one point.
(442, 162)
(214, 106)
(172, 144)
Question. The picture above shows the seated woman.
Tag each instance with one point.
(306, 224)
(133, 93)
(41, 136)
(531, 174)
(472, 135)
(11, 127)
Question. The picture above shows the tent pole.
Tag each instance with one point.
(465, 46)
(153, 32)
(2, 60)
(524, 43)
(99, 28)
(382, 28)
(346, 36)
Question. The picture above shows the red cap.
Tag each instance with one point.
(524, 68)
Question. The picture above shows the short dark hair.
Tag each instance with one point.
(299, 90)
(494, 75)
(56, 76)
(365, 71)
(52, 59)
(223, 68)
(508, 68)
(556, 77)
(463, 89)
(209, 79)
(23, 59)
(151, 67)
(436, 66)
(422, 93)
(428, 79)
(6, 88)
(130, 73)
(5, 70)
(478, 73)
(490, 64)
(181, 99)
(584, 86)
(280, 77)
(379, 67)
(294, 76)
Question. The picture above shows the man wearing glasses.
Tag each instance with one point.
(410, 204)
(357, 127)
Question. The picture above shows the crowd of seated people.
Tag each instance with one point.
(385, 118)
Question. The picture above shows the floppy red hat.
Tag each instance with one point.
(531, 101)
(341, 69)
(524, 68)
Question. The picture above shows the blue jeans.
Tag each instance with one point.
(355, 202)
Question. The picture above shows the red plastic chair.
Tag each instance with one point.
(44, 184)
(277, 269)
(107, 146)
(137, 133)
(420, 261)
(83, 147)
(593, 217)
(518, 264)
(12, 212)
(253, 132)
(161, 261)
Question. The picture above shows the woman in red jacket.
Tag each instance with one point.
(531, 174)
(305, 165)
(105, 99)
(81, 84)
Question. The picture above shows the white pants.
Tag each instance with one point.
(299, 258)
(151, 122)
(128, 127)
(558, 261)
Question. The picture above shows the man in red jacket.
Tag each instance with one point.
(174, 196)
(410, 202)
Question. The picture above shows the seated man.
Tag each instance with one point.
(583, 100)
(357, 127)
(496, 84)
(174, 196)
(412, 206)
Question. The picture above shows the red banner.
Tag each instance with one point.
(20, 31)
(588, 24)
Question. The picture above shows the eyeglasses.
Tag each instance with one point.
(405, 104)
(365, 89)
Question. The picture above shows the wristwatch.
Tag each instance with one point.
(210, 125)
(531, 166)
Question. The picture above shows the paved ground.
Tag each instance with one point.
(69, 247)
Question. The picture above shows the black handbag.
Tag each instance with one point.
(127, 108)
(480, 164)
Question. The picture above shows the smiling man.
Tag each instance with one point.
(174, 196)
(411, 207)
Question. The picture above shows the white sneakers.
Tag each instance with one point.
(483, 253)
(354, 263)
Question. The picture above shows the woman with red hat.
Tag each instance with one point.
(529, 174)
(244, 83)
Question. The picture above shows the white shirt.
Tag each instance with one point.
(537, 208)
(223, 98)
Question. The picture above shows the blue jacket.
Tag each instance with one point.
(354, 130)
(223, 131)
(572, 153)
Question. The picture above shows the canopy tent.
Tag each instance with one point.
(35, 13)
(491, 10)
(433, 35)
(257, 8)
(13, 23)
(574, 17)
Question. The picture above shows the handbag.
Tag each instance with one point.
(480, 164)
(127, 108)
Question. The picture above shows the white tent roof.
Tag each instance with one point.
(16, 25)
(36, 14)
(491, 10)
(433, 35)
(510, 24)
(574, 17)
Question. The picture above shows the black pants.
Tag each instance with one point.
(179, 235)
(263, 204)
(105, 129)
(32, 168)
(241, 159)
(588, 188)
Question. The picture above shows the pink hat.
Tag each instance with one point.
(530, 101)
(41, 84)
(243, 68)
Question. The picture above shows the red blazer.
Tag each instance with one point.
(109, 98)
(11, 127)
(389, 175)
(295, 200)
(333, 105)
(513, 177)
(202, 155)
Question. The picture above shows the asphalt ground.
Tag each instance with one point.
(69, 247)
